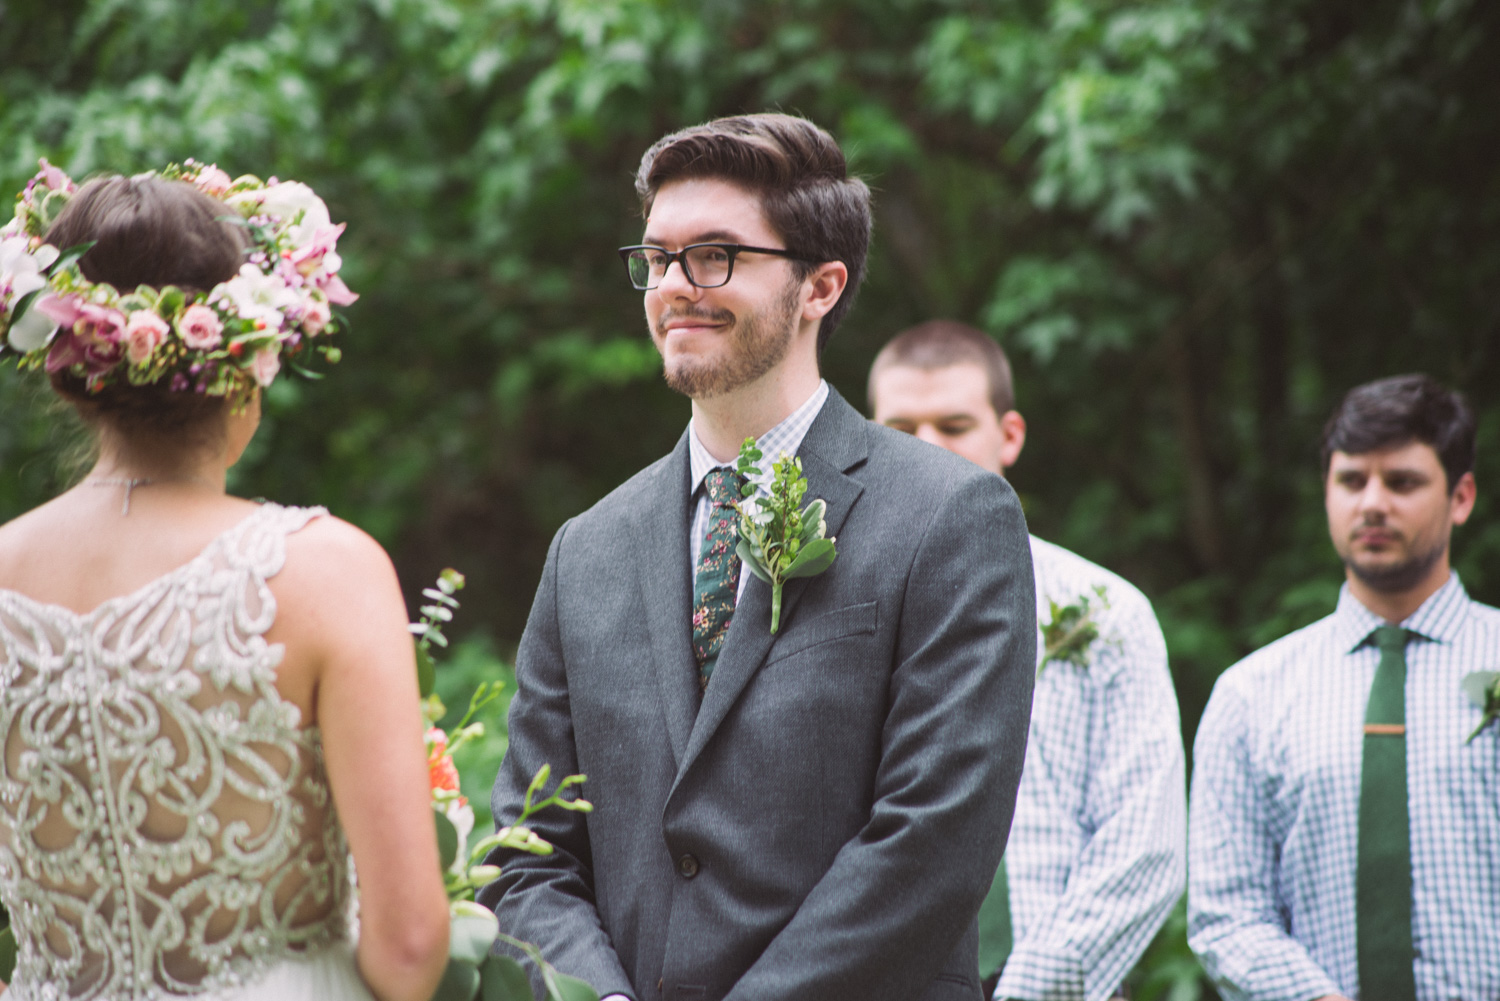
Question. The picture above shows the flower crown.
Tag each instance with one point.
(223, 342)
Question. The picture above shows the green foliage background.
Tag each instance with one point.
(1193, 224)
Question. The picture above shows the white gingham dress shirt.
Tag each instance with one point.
(1275, 809)
(1097, 851)
(784, 437)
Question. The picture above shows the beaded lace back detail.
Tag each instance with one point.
(165, 826)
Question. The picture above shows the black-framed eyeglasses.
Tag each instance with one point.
(704, 265)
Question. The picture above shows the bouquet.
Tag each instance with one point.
(473, 970)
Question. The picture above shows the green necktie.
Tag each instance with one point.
(1382, 910)
(994, 926)
(716, 584)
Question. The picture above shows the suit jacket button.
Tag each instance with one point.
(687, 866)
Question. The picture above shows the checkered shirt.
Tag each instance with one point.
(784, 437)
(1275, 809)
(1097, 852)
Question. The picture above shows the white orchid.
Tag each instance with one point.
(257, 295)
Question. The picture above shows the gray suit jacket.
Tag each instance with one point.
(823, 823)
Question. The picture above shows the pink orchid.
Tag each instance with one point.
(54, 177)
(213, 181)
(337, 292)
(318, 253)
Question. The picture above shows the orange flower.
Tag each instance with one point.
(442, 775)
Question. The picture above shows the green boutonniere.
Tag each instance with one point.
(1483, 689)
(779, 539)
(1072, 629)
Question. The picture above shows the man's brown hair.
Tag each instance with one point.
(800, 176)
(943, 343)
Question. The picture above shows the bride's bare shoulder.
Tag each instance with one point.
(329, 555)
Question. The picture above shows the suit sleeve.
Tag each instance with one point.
(1234, 923)
(548, 900)
(901, 894)
(1133, 865)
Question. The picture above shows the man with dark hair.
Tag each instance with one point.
(807, 812)
(1096, 857)
(1344, 834)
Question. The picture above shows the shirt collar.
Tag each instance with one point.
(1439, 618)
(784, 437)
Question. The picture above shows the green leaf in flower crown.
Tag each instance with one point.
(172, 300)
(70, 257)
(447, 839)
(426, 672)
(502, 979)
(460, 982)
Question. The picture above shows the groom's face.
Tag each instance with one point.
(717, 340)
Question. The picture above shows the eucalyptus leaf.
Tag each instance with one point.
(561, 987)
(460, 982)
(813, 525)
(502, 979)
(172, 299)
(471, 931)
(447, 837)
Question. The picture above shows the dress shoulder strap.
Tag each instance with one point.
(258, 543)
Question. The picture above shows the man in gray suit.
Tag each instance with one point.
(815, 813)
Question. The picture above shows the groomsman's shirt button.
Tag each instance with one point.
(687, 866)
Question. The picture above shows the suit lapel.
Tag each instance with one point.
(661, 546)
(835, 444)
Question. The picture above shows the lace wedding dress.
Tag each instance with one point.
(166, 828)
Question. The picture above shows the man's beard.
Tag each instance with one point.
(758, 343)
(1393, 578)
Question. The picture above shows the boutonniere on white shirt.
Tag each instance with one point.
(1070, 632)
(1483, 689)
(779, 539)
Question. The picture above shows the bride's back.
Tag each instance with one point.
(190, 682)
(165, 816)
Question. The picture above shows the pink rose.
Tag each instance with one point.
(200, 327)
(264, 366)
(316, 317)
(144, 333)
(213, 181)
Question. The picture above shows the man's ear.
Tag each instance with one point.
(1013, 438)
(826, 285)
(1461, 503)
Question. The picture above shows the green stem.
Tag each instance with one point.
(775, 607)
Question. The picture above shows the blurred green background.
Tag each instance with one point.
(1192, 223)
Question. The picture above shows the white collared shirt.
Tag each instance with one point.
(785, 437)
(1097, 852)
(1275, 808)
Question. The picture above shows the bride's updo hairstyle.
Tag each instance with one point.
(156, 232)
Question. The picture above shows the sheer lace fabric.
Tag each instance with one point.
(165, 824)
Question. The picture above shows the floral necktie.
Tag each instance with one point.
(716, 584)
